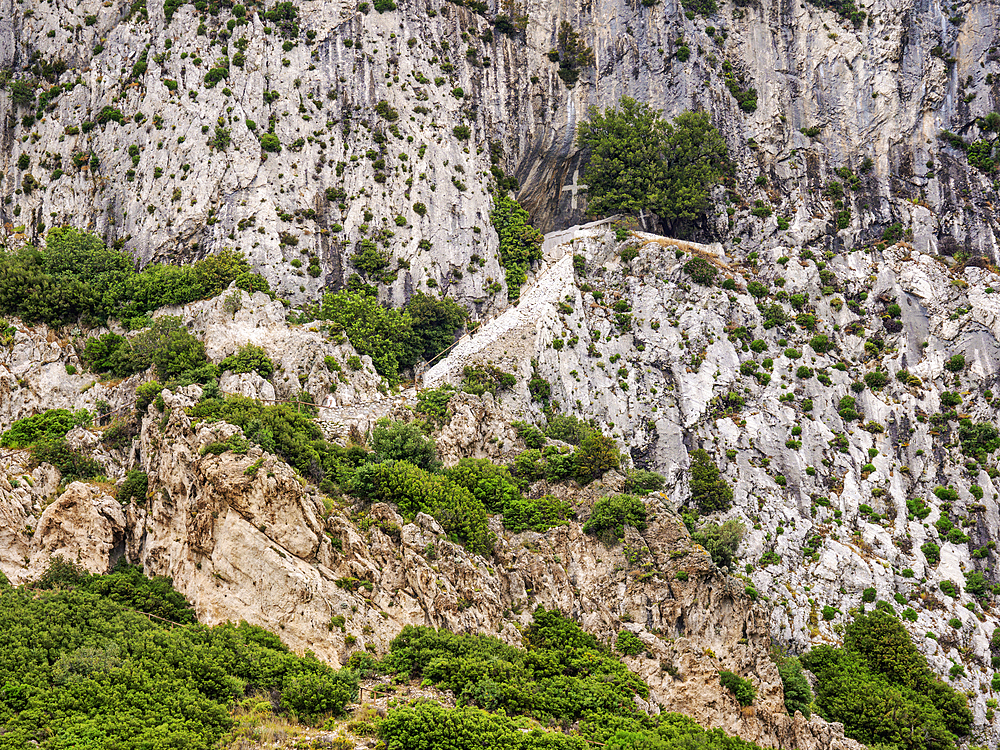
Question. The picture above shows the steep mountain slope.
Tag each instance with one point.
(158, 126)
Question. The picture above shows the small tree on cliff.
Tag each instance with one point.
(709, 491)
(639, 161)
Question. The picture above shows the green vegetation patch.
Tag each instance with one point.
(117, 661)
(75, 278)
(881, 688)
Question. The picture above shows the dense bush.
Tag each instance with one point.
(744, 690)
(479, 379)
(52, 424)
(414, 490)
(881, 688)
(249, 358)
(385, 334)
(642, 481)
(611, 514)
(798, 695)
(76, 278)
(700, 271)
(82, 668)
(70, 463)
(435, 322)
(721, 542)
(595, 455)
(313, 695)
(628, 643)
(134, 487)
(166, 345)
(709, 491)
(403, 441)
(563, 673)
(568, 428)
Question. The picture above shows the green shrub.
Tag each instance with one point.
(709, 491)
(536, 514)
(249, 358)
(50, 425)
(403, 441)
(435, 322)
(821, 344)
(932, 552)
(949, 588)
(628, 643)
(134, 487)
(531, 435)
(414, 490)
(520, 243)
(868, 595)
(744, 690)
(71, 464)
(700, 271)
(642, 481)
(876, 380)
(568, 428)
(721, 542)
(611, 514)
(76, 278)
(879, 663)
(384, 334)
(798, 695)
(956, 363)
(490, 484)
(847, 408)
(596, 454)
(270, 142)
(433, 403)
(482, 378)
(314, 695)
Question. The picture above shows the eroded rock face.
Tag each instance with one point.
(84, 526)
(244, 538)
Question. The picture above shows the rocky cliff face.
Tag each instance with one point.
(388, 122)
(244, 539)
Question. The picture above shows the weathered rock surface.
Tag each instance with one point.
(243, 538)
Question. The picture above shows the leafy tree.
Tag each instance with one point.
(709, 491)
(520, 243)
(638, 161)
(435, 322)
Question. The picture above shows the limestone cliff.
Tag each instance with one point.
(150, 130)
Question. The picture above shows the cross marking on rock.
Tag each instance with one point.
(642, 217)
(575, 187)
